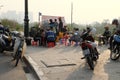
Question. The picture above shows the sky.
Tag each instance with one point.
(84, 11)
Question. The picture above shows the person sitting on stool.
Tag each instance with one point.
(50, 36)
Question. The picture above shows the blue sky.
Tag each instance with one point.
(84, 11)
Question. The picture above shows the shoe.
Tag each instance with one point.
(109, 48)
(98, 53)
(69, 44)
(83, 57)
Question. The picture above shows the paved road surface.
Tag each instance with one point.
(8, 71)
(52, 64)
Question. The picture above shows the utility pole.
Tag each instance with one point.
(71, 15)
(26, 20)
(39, 18)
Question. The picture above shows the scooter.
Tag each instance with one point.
(6, 43)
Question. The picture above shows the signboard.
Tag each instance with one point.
(45, 19)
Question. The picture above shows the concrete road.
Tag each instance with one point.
(8, 71)
(52, 64)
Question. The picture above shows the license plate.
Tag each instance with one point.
(86, 51)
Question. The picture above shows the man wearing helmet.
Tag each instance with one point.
(89, 36)
(116, 23)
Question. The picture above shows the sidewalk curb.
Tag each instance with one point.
(35, 68)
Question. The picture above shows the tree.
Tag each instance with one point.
(12, 24)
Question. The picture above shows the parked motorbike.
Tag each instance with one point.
(115, 49)
(6, 42)
(19, 49)
(115, 52)
(89, 53)
(103, 40)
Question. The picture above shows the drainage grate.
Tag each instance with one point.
(57, 65)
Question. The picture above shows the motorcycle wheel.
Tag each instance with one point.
(96, 57)
(18, 57)
(114, 55)
(90, 62)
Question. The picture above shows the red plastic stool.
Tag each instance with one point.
(51, 44)
(34, 43)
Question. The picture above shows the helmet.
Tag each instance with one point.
(15, 33)
(115, 21)
(118, 32)
(7, 29)
(106, 27)
(75, 33)
(93, 31)
(88, 28)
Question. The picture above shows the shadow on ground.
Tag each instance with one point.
(83, 72)
(8, 71)
(5, 64)
(112, 69)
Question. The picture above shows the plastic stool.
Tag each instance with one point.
(51, 44)
(34, 43)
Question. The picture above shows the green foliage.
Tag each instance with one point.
(75, 26)
(12, 24)
(34, 24)
(99, 27)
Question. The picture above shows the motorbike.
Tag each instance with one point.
(19, 49)
(6, 42)
(115, 50)
(103, 39)
(88, 47)
(89, 53)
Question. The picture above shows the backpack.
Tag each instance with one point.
(76, 36)
(116, 38)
